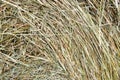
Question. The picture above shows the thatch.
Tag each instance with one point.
(59, 40)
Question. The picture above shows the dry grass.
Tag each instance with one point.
(59, 40)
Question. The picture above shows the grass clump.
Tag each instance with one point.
(59, 39)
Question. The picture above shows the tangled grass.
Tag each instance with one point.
(59, 40)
